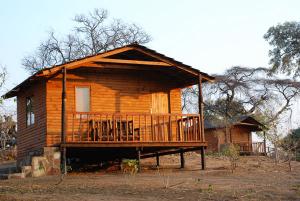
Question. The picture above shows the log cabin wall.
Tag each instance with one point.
(241, 134)
(109, 92)
(211, 136)
(31, 139)
(216, 137)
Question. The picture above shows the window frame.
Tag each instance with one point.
(30, 114)
(90, 97)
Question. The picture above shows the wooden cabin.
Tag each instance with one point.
(239, 132)
(125, 102)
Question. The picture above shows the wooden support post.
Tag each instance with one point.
(139, 159)
(202, 158)
(157, 159)
(182, 162)
(170, 136)
(201, 107)
(63, 122)
(120, 163)
(265, 144)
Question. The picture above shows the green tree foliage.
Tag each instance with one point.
(130, 166)
(221, 107)
(290, 144)
(285, 53)
(292, 141)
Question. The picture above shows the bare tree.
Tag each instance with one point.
(3, 75)
(92, 34)
(7, 125)
(233, 94)
(246, 91)
(7, 131)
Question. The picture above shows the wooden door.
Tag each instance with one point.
(160, 103)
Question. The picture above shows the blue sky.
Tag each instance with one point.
(209, 35)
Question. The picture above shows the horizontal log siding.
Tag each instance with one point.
(33, 137)
(240, 134)
(110, 92)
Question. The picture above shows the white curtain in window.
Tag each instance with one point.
(82, 99)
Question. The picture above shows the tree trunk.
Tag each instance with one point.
(276, 153)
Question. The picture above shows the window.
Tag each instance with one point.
(82, 99)
(29, 111)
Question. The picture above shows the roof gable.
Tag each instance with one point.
(133, 55)
(243, 120)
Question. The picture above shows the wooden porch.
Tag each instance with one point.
(251, 148)
(103, 129)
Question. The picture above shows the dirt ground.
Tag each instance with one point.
(256, 178)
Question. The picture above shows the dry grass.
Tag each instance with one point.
(252, 180)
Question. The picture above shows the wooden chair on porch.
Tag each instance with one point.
(100, 130)
(127, 132)
(109, 130)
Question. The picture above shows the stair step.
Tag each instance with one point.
(17, 175)
(12, 176)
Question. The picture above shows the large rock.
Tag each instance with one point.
(53, 156)
(27, 170)
(39, 166)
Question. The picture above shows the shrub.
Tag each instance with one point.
(232, 153)
(130, 166)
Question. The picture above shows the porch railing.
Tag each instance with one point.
(258, 147)
(244, 147)
(255, 147)
(134, 127)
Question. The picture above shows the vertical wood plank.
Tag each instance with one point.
(99, 125)
(199, 129)
(158, 128)
(146, 137)
(80, 125)
(152, 128)
(182, 130)
(163, 128)
(108, 128)
(127, 126)
(132, 128)
(88, 128)
(140, 131)
(194, 130)
(170, 134)
(114, 127)
(73, 128)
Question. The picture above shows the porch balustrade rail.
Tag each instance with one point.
(258, 147)
(255, 147)
(134, 127)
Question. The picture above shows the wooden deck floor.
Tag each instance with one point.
(134, 144)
